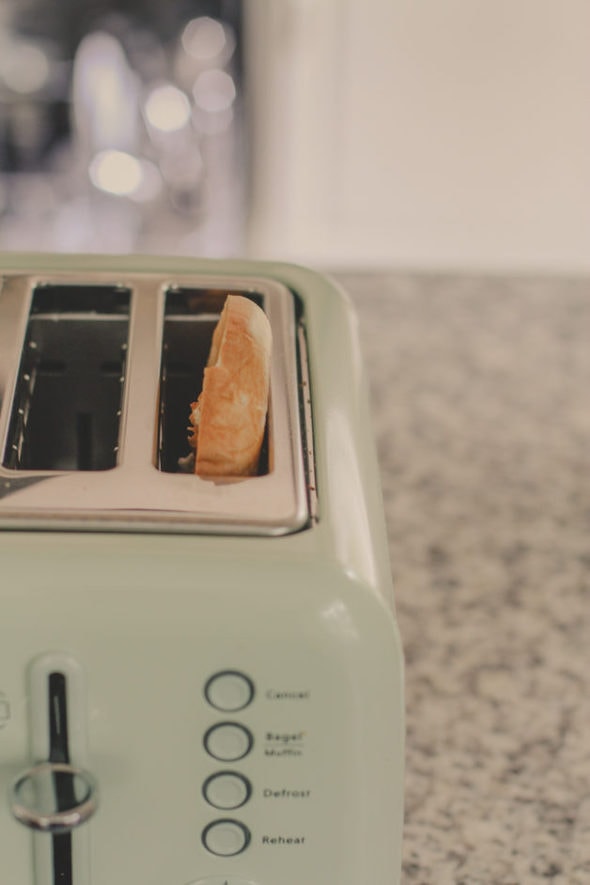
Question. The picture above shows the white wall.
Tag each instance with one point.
(422, 133)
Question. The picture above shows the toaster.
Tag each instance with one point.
(200, 680)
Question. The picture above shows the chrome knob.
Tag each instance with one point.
(53, 797)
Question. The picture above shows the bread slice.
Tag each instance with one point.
(229, 417)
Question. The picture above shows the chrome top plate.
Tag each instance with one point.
(135, 495)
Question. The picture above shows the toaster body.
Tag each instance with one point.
(200, 682)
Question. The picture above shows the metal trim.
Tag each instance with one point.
(135, 495)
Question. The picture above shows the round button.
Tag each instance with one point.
(228, 741)
(226, 790)
(226, 837)
(229, 691)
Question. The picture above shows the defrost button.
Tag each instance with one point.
(227, 790)
(226, 837)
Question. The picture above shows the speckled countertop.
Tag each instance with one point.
(481, 397)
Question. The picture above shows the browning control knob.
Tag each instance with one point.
(53, 797)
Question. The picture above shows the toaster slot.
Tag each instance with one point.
(97, 377)
(67, 404)
(190, 316)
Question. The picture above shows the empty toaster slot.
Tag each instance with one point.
(67, 405)
(189, 320)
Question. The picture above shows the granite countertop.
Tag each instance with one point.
(481, 397)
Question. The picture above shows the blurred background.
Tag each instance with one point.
(121, 126)
(341, 133)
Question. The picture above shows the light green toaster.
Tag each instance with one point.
(200, 681)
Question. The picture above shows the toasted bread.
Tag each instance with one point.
(229, 417)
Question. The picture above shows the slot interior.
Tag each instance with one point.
(67, 405)
(190, 317)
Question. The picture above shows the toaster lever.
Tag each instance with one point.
(54, 797)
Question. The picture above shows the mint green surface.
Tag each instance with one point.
(149, 618)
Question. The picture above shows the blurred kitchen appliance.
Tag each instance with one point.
(121, 127)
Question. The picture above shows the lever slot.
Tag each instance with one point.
(57, 794)
(63, 786)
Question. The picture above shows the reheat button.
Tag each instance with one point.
(229, 691)
(226, 837)
(228, 741)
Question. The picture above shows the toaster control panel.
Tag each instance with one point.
(250, 736)
(227, 741)
(256, 764)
